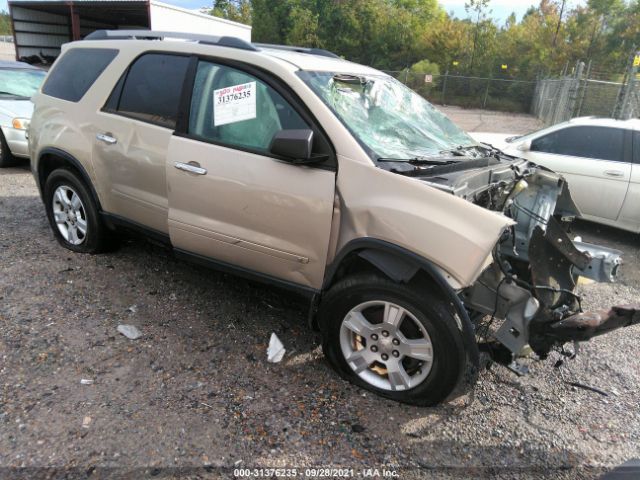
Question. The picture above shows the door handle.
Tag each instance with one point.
(614, 173)
(107, 138)
(191, 168)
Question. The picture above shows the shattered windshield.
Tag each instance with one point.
(391, 120)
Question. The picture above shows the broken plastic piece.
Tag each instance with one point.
(129, 331)
(518, 368)
(276, 350)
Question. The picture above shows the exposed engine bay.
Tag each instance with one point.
(529, 288)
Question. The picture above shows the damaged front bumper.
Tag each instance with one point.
(531, 284)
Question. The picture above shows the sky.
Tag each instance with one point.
(501, 9)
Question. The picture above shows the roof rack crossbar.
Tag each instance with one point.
(290, 48)
(221, 41)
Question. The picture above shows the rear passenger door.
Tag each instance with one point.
(134, 129)
(240, 205)
(595, 160)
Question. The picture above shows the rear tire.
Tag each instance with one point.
(6, 157)
(73, 214)
(402, 342)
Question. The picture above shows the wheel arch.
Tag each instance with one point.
(51, 158)
(404, 266)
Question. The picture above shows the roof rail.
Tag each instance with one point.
(224, 41)
(289, 48)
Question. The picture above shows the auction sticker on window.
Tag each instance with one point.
(234, 104)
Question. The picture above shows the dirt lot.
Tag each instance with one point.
(473, 120)
(195, 396)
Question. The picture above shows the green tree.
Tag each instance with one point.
(398, 34)
(5, 23)
(479, 10)
(303, 30)
(236, 10)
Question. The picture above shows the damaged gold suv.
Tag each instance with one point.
(298, 168)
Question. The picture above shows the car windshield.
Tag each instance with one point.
(391, 120)
(20, 82)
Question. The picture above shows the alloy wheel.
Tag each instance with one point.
(386, 345)
(70, 215)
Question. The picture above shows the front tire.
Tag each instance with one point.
(6, 157)
(73, 213)
(394, 339)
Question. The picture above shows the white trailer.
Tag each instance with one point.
(40, 27)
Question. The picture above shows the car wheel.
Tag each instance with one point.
(73, 213)
(6, 157)
(393, 339)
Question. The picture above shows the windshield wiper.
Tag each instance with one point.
(420, 160)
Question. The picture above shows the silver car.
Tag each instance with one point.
(18, 82)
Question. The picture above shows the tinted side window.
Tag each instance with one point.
(75, 71)
(636, 147)
(234, 108)
(152, 88)
(603, 143)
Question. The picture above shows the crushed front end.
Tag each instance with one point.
(529, 290)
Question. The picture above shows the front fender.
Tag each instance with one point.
(450, 232)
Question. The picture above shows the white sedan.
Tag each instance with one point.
(18, 82)
(600, 158)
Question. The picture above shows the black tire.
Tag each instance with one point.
(6, 157)
(432, 312)
(98, 238)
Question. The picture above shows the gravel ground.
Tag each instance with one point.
(195, 396)
(475, 120)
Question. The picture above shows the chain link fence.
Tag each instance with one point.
(583, 92)
(586, 92)
(490, 93)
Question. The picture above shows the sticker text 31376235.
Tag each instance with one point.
(234, 104)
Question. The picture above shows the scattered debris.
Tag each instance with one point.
(588, 387)
(86, 381)
(357, 428)
(86, 421)
(129, 331)
(276, 350)
(133, 309)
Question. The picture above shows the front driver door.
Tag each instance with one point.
(237, 204)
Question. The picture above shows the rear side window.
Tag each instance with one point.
(604, 143)
(75, 71)
(152, 88)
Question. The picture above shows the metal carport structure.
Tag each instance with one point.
(41, 27)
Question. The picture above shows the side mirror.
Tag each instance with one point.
(524, 146)
(293, 145)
